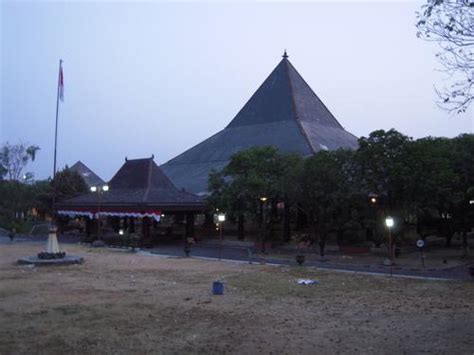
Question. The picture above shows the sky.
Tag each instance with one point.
(145, 78)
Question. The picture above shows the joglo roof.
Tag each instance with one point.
(139, 185)
(90, 178)
(284, 113)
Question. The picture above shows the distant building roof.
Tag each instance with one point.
(138, 185)
(91, 178)
(284, 113)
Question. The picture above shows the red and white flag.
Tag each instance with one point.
(61, 81)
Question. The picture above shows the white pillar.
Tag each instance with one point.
(52, 246)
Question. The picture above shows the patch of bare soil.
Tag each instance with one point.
(119, 302)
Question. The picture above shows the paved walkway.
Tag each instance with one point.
(244, 254)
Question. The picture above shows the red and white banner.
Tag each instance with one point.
(156, 215)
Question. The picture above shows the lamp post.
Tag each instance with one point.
(263, 200)
(221, 220)
(389, 223)
(99, 190)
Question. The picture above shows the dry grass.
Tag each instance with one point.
(119, 302)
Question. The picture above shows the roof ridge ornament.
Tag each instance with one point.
(285, 55)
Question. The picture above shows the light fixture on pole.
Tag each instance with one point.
(99, 190)
(263, 200)
(221, 219)
(373, 198)
(389, 223)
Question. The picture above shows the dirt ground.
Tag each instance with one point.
(119, 302)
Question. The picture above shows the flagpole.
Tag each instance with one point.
(56, 143)
(52, 247)
(57, 115)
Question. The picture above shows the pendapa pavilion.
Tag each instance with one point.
(139, 191)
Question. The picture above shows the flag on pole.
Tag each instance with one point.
(61, 81)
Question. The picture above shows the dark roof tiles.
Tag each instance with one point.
(284, 113)
(139, 184)
(90, 178)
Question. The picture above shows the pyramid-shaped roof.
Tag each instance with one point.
(139, 184)
(90, 178)
(284, 113)
(140, 173)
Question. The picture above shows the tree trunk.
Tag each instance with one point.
(449, 237)
(322, 245)
(208, 221)
(241, 226)
(340, 235)
(301, 219)
(286, 223)
(464, 242)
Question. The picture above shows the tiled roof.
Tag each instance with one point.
(284, 113)
(139, 184)
(90, 178)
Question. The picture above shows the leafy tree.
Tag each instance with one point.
(327, 193)
(250, 175)
(67, 184)
(14, 158)
(17, 201)
(450, 23)
(463, 166)
(431, 184)
(381, 158)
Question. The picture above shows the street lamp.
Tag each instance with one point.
(389, 223)
(263, 200)
(221, 220)
(99, 190)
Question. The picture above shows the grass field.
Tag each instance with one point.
(119, 302)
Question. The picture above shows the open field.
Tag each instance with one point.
(120, 302)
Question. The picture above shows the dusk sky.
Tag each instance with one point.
(145, 78)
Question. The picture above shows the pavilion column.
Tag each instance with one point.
(189, 225)
(115, 222)
(88, 226)
(146, 231)
(131, 225)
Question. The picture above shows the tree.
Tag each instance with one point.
(67, 184)
(381, 158)
(432, 185)
(17, 201)
(250, 175)
(450, 23)
(14, 158)
(327, 191)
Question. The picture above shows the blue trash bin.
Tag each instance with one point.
(217, 288)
